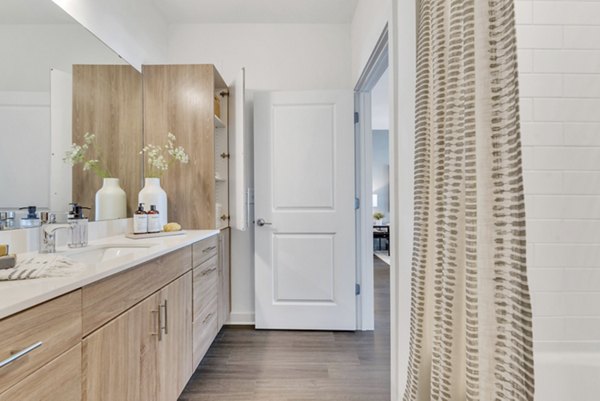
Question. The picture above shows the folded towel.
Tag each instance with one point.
(41, 266)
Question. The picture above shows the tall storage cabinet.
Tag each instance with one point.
(191, 102)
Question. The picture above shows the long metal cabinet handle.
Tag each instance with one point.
(20, 354)
(210, 248)
(207, 271)
(159, 324)
(166, 326)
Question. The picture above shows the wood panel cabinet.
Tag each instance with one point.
(119, 360)
(181, 99)
(174, 356)
(107, 102)
(205, 309)
(59, 380)
(105, 299)
(39, 335)
(144, 354)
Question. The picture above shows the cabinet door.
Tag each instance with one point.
(120, 359)
(175, 345)
(59, 380)
(224, 273)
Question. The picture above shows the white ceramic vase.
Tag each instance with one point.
(153, 194)
(111, 201)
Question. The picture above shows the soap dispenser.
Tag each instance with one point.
(140, 220)
(32, 219)
(80, 230)
(153, 220)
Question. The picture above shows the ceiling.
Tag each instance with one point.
(257, 11)
(32, 12)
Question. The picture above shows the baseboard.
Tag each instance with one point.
(241, 318)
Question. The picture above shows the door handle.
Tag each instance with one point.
(262, 222)
(20, 354)
(166, 322)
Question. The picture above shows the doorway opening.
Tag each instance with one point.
(372, 124)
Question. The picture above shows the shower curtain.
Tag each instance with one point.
(471, 335)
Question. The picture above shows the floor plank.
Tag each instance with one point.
(244, 364)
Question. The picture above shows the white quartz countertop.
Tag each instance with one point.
(16, 296)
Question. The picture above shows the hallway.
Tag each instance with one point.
(245, 365)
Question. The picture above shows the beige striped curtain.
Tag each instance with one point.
(471, 335)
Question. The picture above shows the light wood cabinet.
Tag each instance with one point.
(119, 360)
(174, 356)
(39, 334)
(181, 99)
(144, 354)
(134, 336)
(105, 299)
(107, 102)
(59, 380)
(205, 310)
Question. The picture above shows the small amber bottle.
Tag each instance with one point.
(153, 220)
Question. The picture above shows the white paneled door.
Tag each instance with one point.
(304, 198)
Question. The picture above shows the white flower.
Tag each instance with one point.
(78, 153)
(159, 162)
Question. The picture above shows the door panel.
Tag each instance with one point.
(304, 191)
(175, 346)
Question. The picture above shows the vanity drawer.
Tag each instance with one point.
(46, 330)
(205, 286)
(59, 380)
(106, 299)
(205, 330)
(204, 250)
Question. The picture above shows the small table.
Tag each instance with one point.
(382, 232)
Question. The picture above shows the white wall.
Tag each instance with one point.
(368, 22)
(133, 28)
(559, 59)
(35, 49)
(25, 102)
(276, 57)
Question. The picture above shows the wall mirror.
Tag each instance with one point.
(57, 82)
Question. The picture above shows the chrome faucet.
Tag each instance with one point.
(48, 234)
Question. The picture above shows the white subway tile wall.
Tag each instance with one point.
(559, 66)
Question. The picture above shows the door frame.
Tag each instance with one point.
(376, 65)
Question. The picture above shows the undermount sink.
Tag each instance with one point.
(101, 253)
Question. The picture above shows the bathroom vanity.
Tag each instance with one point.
(131, 328)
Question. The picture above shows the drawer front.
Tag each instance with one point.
(59, 380)
(205, 288)
(104, 300)
(204, 250)
(205, 330)
(46, 330)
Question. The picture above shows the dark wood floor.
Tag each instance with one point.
(245, 365)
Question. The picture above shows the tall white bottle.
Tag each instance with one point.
(153, 194)
(111, 201)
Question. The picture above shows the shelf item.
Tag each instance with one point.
(219, 123)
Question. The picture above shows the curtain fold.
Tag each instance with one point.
(471, 336)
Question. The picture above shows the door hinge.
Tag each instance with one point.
(356, 117)
(356, 203)
(357, 289)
